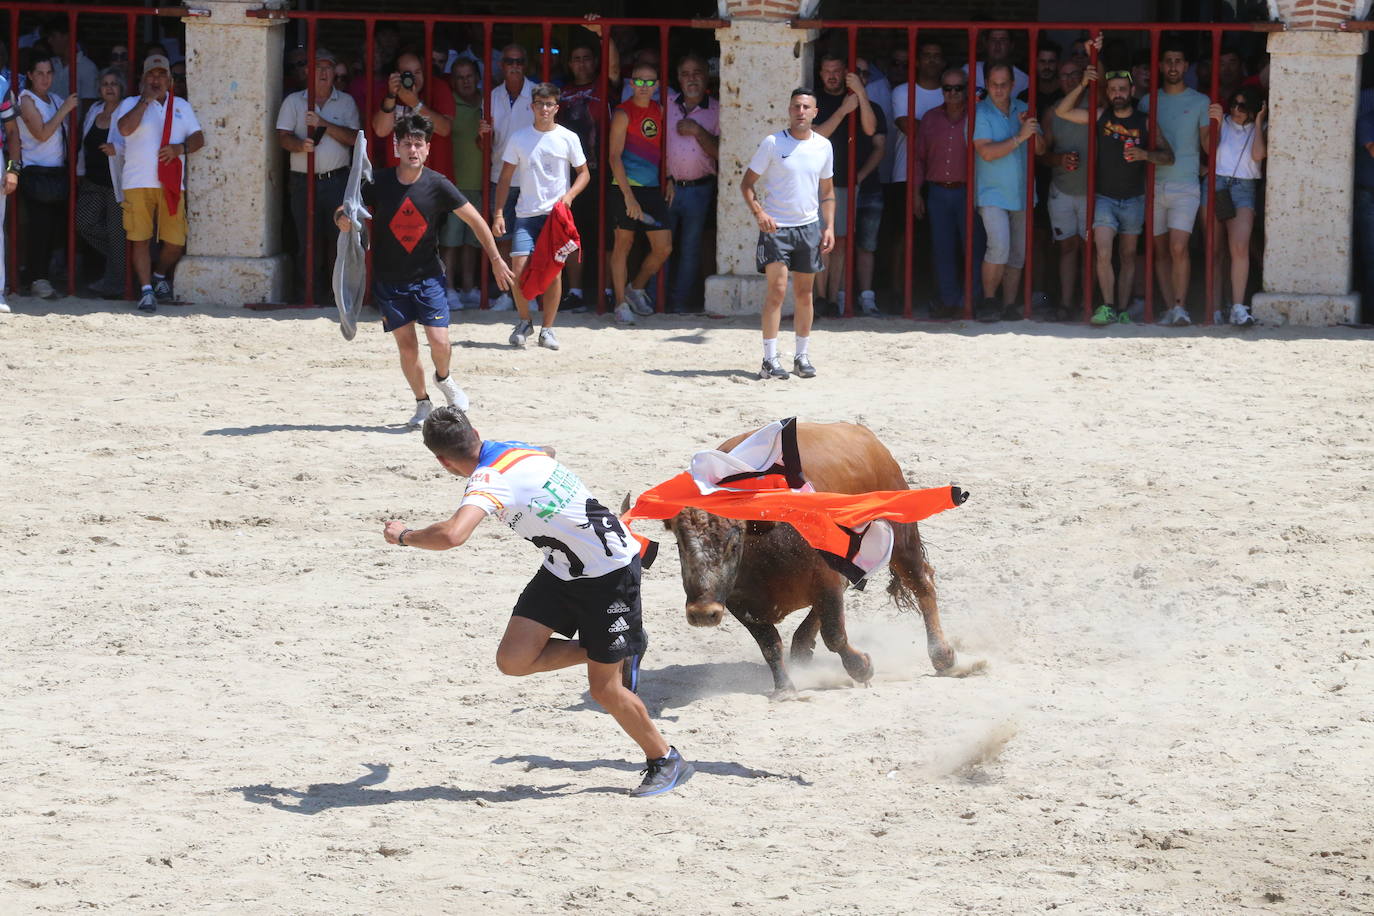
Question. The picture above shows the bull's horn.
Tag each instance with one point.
(625, 504)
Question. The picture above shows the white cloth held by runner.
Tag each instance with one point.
(350, 265)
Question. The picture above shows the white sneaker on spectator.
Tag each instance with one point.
(1241, 317)
(623, 314)
(422, 411)
(868, 303)
(43, 290)
(547, 340)
(455, 301)
(471, 298)
(503, 303)
(4, 306)
(1176, 317)
(455, 396)
(639, 301)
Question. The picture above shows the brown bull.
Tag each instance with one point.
(763, 571)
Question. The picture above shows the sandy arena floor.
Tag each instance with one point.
(220, 691)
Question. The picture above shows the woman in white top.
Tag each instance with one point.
(43, 183)
(1240, 150)
(99, 218)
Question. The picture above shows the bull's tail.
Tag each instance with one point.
(908, 560)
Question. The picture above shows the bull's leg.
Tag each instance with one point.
(804, 640)
(770, 644)
(829, 607)
(913, 575)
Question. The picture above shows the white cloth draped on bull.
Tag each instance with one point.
(350, 266)
(762, 479)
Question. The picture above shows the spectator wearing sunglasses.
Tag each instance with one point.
(511, 111)
(693, 149)
(1241, 148)
(635, 148)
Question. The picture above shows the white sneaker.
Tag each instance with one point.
(639, 301)
(4, 306)
(1176, 317)
(868, 303)
(422, 411)
(623, 314)
(455, 396)
(471, 298)
(522, 332)
(547, 340)
(1241, 317)
(43, 290)
(455, 301)
(503, 303)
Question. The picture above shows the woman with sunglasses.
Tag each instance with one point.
(1240, 150)
(99, 217)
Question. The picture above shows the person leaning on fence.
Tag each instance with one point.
(156, 131)
(635, 148)
(1001, 129)
(99, 218)
(511, 110)
(9, 179)
(1068, 194)
(930, 69)
(693, 149)
(408, 203)
(542, 155)
(44, 187)
(1123, 149)
(458, 245)
(329, 131)
(1241, 148)
(794, 172)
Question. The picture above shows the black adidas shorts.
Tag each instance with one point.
(603, 613)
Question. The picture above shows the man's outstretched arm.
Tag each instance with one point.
(453, 532)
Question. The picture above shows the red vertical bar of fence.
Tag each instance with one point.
(488, 87)
(1210, 232)
(851, 203)
(1089, 267)
(910, 131)
(73, 146)
(1153, 131)
(12, 211)
(133, 89)
(661, 298)
(370, 75)
(1028, 268)
(546, 61)
(308, 268)
(427, 68)
(970, 186)
(603, 128)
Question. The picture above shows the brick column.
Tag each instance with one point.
(234, 184)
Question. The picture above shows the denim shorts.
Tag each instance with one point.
(1243, 190)
(508, 211)
(421, 300)
(526, 235)
(1127, 216)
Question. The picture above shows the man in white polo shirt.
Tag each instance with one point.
(329, 132)
(794, 170)
(155, 142)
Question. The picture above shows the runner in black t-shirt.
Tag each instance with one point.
(408, 204)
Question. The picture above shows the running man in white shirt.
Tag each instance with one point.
(587, 586)
(794, 172)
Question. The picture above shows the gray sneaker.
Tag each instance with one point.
(802, 366)
(772, 368)
(639, 301)
(162, 290)
(147, 302)
(547, 340)
(522, 332)
(663, 775)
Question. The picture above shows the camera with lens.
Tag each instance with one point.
(408, 80)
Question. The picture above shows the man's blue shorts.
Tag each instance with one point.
(417, 300)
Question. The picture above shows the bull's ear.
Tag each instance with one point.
(625, 504)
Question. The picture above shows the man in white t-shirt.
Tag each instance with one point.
(538, 160)
(794, 172)
(511, 110)
(139, 125)
(587, 589)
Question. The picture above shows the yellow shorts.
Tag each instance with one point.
(143, 206)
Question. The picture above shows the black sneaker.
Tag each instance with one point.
(990, 310)
(1012, 313)
(772, 368)
(572, 302)
(663, 775)
(162, 290)
(802, 366)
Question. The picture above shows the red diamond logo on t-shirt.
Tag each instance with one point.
(408, 225)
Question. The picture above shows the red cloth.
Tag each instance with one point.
(169, 172)
(557, 240)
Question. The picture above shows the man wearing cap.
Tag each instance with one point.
(157, 131)
(329, 132)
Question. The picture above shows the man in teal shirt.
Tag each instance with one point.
(1002, 127)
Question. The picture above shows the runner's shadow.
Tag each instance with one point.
(398, 429)
(360, 793)
(711, 767)
(480, 345)
(703, 373)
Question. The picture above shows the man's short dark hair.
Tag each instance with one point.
(834, 55)
(413, 125)
(692, 55)
(1176, 45)
(1049, 44)
(990, 69)
(449, 434)
(545, 91)
(802, 90)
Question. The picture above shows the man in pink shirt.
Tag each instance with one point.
(693, 144)
(942, 163)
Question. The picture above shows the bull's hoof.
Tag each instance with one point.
(859, 666)
(962, 668)
(784, 694)
(802, 656)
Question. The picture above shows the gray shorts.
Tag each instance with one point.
(797, 247)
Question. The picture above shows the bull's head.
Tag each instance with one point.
(709, 549)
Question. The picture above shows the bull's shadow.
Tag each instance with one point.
(676, 686)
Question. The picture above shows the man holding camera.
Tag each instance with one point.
(329, 131)
(405, 95)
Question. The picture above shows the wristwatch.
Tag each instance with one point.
(15, 167)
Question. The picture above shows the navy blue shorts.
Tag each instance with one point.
(418, 300)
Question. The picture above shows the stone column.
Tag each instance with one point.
(1314, 84)
(761, 62)
(234, 184)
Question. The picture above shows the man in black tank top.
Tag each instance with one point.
(1123, 149)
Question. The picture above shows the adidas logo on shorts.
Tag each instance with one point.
(618, 607)
(619, 643)
(620, 626)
